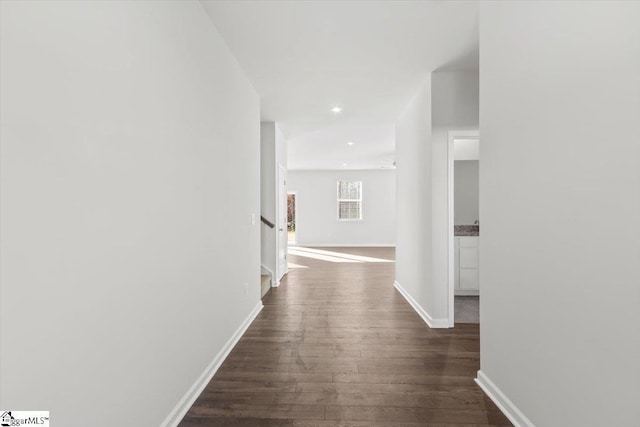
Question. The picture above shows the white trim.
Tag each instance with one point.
(347, 245)
(295, 218)
(467, 292)
(452, 135)
(281, 174)
(433, 323)
(508, 408)
(450, 235)
(183, 406)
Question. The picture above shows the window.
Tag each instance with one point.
(349, 200)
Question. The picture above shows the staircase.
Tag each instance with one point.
(265, 285)
(265, 281)
(265, 273)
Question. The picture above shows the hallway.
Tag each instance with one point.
(337, 345)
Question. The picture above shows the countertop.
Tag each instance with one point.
(466, 230)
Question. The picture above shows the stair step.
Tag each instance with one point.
(265, 284)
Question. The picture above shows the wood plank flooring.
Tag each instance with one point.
(337, 345)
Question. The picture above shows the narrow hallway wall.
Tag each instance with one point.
(560, 210)
(413, 194)
(126, 226)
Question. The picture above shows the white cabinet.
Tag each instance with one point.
(466, 265)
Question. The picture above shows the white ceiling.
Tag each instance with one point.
(369, 57)
(327, 148)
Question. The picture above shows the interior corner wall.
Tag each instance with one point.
(455, 98)
(560, 209)
(125, 218)
(317, 221)
(413, 195)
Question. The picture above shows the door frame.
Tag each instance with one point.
(281, 176)
(453, 135)
(295, 209)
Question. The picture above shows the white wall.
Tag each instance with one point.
(466, 192)
(281, 148)
(455, 98)
(125, 217)
(560, 209)
(413, 195)
(316, 208)
(282, 238)
(268, 195)
(273, 153)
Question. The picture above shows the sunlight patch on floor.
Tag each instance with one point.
(332, 256)
(296, 251)
(294, 265)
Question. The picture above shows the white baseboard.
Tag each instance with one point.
(503, 403)
(433, 323)
(342, 245)
(466, 293)
(183, 406)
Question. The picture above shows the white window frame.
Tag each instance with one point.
(348, 200)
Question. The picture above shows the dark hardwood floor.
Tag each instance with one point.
(337, 345)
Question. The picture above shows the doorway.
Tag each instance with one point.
(291, 218)
(281, 237)
(464, 227)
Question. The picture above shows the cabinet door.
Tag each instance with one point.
(469, 279)
(468, 257)
(468, 263)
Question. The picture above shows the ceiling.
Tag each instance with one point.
(368, 57)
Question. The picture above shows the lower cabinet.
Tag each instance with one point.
(466, 265)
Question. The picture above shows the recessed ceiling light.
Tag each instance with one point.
(344, 164)
(350, 143)
(336, 109)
